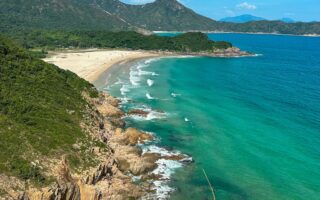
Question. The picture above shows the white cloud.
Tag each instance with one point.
(246, 6)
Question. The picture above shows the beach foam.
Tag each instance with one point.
(124, 89)
(165, 170)
(175, 95)
(148, 95)
(150, 82)
(134, 77)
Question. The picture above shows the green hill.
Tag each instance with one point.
(161, 15)
(57, 14)
(193, 42)
(41, 107)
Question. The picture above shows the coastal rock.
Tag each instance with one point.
(104, 97)
(118, 122)
(138, 112)
(130, 161)
(107, 110)
(110, 179)
(131, 137)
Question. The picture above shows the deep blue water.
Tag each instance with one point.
(252, 123)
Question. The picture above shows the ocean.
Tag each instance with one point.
(251, 123)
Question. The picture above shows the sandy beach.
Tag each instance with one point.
(90, 64)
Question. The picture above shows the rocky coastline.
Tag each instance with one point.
(232, 52)
(112, 178)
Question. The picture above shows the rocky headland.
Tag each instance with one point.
(112, 177)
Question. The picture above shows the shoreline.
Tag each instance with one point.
(90, 64)
(248, 33)
(149, 164)
(132, 162)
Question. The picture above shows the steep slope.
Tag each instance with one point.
(57, 14)
(159, 15)
(55, 130)
(41, 108)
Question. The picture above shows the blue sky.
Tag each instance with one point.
(300, 10)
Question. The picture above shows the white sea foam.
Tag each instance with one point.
(159, 150)
(175, 95)
(150, 82)
(118, 82)
(148, 95)
(124, 90)
(151, 60)
(124, 100)
(134, 77)
(142, 72)
(165, 169)
(150, 116)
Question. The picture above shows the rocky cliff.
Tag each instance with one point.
(112, 177)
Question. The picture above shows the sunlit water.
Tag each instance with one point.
(253, 124)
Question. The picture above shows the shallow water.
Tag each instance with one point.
(252, 123)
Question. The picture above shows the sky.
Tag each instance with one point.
(299, 10)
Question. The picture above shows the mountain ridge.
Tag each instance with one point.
(250, 18)
(113, 15)
(242, 18)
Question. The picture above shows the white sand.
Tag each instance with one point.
(91, 64)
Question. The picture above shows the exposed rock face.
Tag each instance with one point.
(106, 181)
(131, 137)
(109, 179)
(138, 112)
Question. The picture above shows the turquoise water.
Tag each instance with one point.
(252, 123)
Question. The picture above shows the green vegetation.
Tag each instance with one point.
(36, 100)
(113, 15)
(49, 40)
(56, 15)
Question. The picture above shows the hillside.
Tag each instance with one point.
(58, 137)
(159, 15)
(279, 27)
(189, 42)
(57, 14)
(113, 15)
(41, 110)
(61, 139)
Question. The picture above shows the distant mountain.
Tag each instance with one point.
(251, 18)
(287, 20)
(242, 19)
